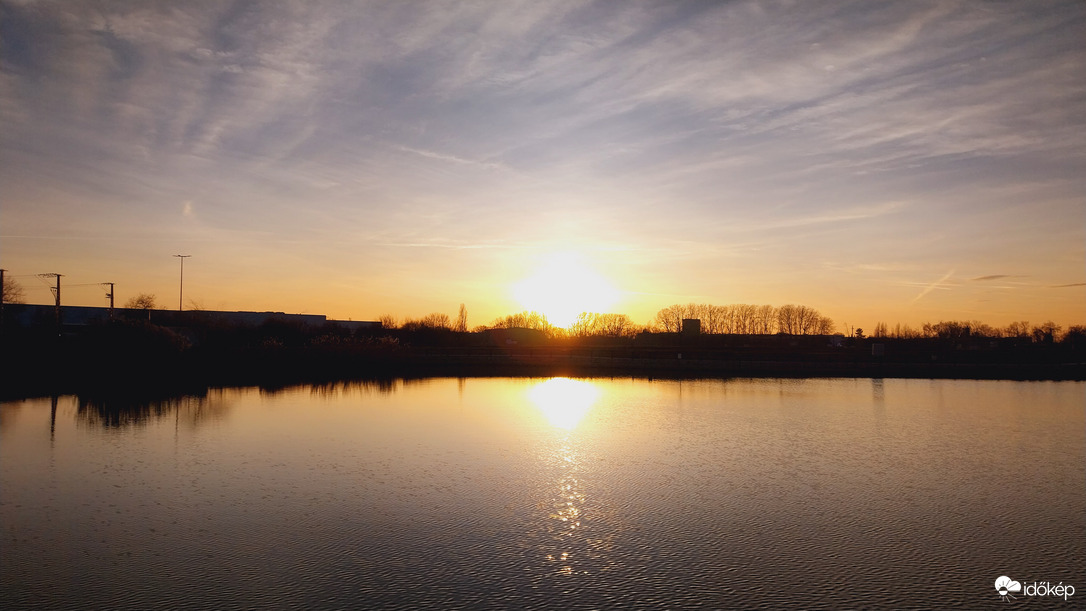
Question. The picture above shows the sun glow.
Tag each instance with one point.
(562, 288)
(563, 401)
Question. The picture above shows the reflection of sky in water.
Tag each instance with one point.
(521, 493)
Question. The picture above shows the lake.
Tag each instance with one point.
(548, 493)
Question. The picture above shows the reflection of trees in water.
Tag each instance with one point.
(120, 411)
(385, 386)
(878, 392)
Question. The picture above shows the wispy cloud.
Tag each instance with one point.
(992, 277)
(452, 158)
(452, 245)
(570, 85)
(839, 216)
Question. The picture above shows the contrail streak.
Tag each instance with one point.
(931, 287)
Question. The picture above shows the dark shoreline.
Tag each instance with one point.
(137, 357)
(194, 374)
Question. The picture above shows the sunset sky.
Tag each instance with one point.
(879, 161)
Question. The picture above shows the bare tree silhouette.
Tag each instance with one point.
(746, 319)
(13, 292)
(526, 320)
(765, 321)
(590, 324)
(462, 320)
(1075, 336)
(802, 320)
(906, 332)
(1019, 328)
(142, 301)
(1045, 333)
(434, 320)
(670, 319)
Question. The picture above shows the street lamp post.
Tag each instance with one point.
(181, 294)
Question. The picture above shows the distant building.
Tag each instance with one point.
(356, 325)
(691, 326)
(30, 315)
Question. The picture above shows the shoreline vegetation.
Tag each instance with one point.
(191, 351)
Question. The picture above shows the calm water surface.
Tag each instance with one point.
(518, 493)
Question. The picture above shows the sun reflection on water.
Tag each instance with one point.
(566, 519)
(567, 509)
(563, 401)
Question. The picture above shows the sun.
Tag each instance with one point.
(563, 287)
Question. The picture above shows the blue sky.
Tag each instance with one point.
(896, 161)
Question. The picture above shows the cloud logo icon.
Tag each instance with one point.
(1005, 586)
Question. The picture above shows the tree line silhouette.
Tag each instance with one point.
(746, 319)
(195, 348)
(731, 319)
(738, 319)
(1046, 332)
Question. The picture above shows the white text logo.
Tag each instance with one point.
(1007, 588)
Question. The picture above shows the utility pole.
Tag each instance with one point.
(110, 295)
(181, 295)
(59, 319)
(56, 294)
(2, 296)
